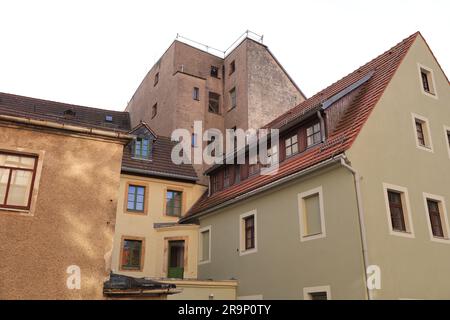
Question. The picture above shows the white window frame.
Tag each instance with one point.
(242, 250)
(426, 131)
(301, 214)
(308, 290)
(200, 245)
(405, 206)
(444, 217)
(447, 143)
(433, 83)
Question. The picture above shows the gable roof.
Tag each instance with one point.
(159, 165)
(38, 109)
(381, 71)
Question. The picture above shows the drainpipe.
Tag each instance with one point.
(362, 226)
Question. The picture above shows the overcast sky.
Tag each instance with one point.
(96, 53)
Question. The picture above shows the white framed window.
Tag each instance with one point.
(311, 214)
(422, 133)
(437, 219)
(317, 293)
(204, 251)
(248, 240)
(427, 83)
(447, 138)
(398, 210)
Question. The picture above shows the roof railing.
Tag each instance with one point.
(222, 53)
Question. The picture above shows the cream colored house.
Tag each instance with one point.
(153, 195)
(361, 194)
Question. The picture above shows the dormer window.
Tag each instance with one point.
(108, 118)
(142, 148)
(69, 114)
(313, 135)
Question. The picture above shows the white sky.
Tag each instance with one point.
(96, 53)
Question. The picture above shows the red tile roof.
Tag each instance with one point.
(351, 123)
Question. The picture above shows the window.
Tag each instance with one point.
(313, 135)
(311, 214)
(214, 72)
(447, 138)
(398, 210)
(232, 67)
(233, 98)
(422, 133)
(108, 118)
(141, 148)
(213, 151)
(427, 81)
(154, 110)
(196, 94)
(317, 293)
(205, 245)
(249, 223)
(248, 233)
(194, 140)
(174, 203)
(214, 183)
(132, 254)
(237, 174)
(176, 252)
(136, 198)
(226, 176)
(436, 218)
(214, 103)
(291, 145)
(156, 79)
(17, 175)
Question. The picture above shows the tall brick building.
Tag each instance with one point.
(245, 89)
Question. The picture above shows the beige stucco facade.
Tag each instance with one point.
(72, 216)
(156, 237)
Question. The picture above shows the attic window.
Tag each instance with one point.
(214, 72)
(427, 81)
(69, 113)
(142, 148)
(108, 118)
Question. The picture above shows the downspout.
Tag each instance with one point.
(362, 226)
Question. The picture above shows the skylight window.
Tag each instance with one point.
(108, 118)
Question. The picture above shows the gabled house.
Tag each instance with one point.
(360, 193)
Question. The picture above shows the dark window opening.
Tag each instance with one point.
(318, 295)
(226, 176)
(232, 67)
(249, 226)
(420, 135)
(214, 103)
(154, 110)
(214, 72)
(196, 94)
(131, 254)
(174, 203)
(156, 79)
(435, 218)
(425, 83)
(396, 209)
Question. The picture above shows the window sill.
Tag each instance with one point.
(406, 234)
(232, 108)
(440, 239)
(143, 159)
(314, 236)
(249, 251)
(22, 212)
(204, 262)
(425, 148)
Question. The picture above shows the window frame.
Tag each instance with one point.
(232, 67)
(218, 102)
(447, 138)
(141, 149)
(286, 146)
(196, 94)
(200, 250)
(211, 73)
(307, 291)
(302, 214)
(430, 79)
(443, 217)
(242, 234)
(182, 204)
(34, 171)
(136, 184)
(142, 257)
(314, 133)
(426, 132)
(233, 102)
(406, 208)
